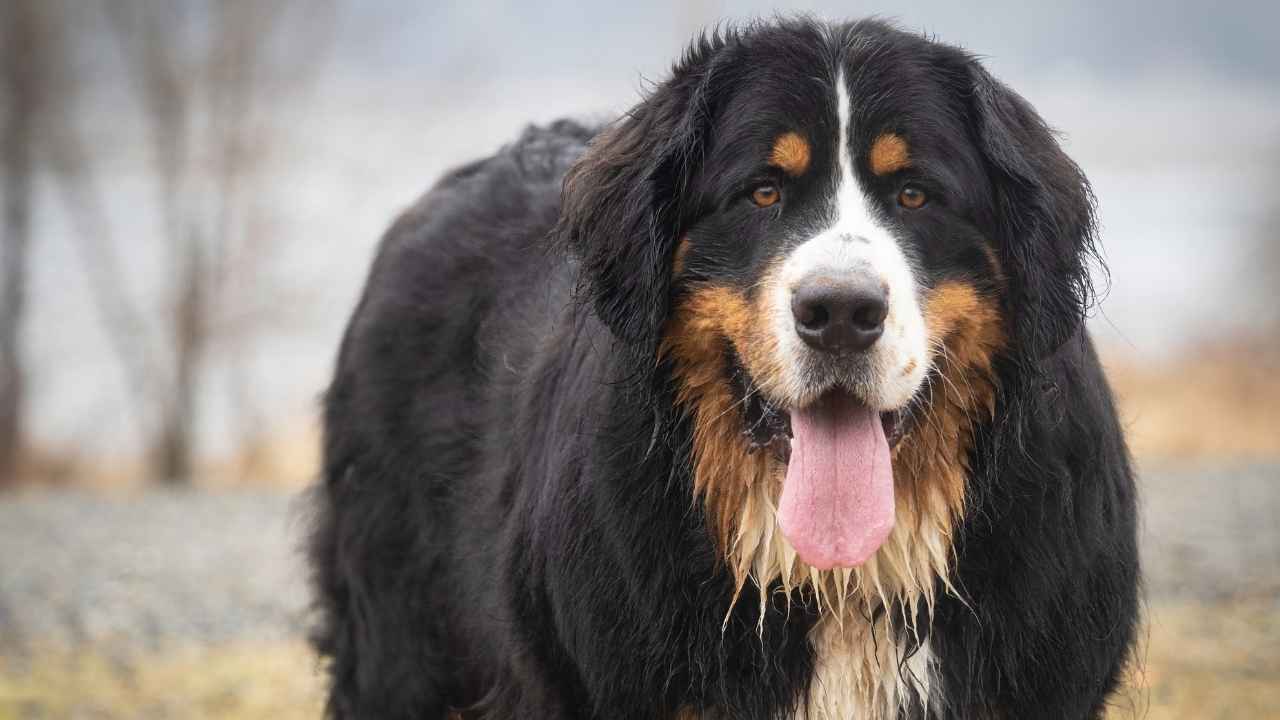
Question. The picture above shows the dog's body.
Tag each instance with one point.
(575, 461)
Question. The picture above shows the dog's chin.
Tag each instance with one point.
(767, 424)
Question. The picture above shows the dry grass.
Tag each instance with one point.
(1207, 662)
(245, 681)
(1199, 662)
(286, 458)
(1223, 402)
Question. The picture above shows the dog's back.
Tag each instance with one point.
(461, 292)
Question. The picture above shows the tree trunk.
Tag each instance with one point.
(18, 39)
(176, 460)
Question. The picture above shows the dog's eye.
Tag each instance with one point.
(912, 198)
(765, 195)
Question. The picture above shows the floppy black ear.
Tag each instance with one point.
(624, 202)
(1044, 211)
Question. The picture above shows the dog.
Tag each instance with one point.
(772, 398)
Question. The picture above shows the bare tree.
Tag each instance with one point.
(207, 76)
(209, 112)
(38, 92)
(24, 37)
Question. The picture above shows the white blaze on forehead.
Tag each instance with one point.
(857, 241)
(844, 158)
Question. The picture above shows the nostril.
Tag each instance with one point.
(811, 315)
(869, 314)
(811, 306)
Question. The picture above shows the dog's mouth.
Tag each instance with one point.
(768, 427)
(837, 502)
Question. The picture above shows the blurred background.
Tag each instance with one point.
(192, 191)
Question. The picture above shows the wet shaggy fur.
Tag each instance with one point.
(543, 495)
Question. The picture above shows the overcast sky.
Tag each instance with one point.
(1173, 110)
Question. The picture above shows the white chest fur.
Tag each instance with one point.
(862, 672)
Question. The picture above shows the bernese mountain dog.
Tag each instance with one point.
(770, 399)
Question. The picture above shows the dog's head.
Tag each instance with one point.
(828, 236)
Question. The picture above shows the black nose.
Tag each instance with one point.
(840, 316)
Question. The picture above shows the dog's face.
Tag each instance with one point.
(830, 234)
(838, 189)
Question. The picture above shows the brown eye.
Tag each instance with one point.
(912, 198)
(765, 195)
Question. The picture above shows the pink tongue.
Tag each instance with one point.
(837, 502)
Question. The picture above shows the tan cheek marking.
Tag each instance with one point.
(935, 457)
(889, 154)
(968, 324)
(708, 321)
(790, 154)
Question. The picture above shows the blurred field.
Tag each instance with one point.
(1203, 661)
(1216, 400)
(238, 681)
(1208, 661)
(286, 458)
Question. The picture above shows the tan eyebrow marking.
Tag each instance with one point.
(790, 154)
(889, 154)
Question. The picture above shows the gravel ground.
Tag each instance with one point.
(207, 567)
(150, 568)
(1211, 532)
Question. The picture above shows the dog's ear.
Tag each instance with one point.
(624, 202)
(1044, 213)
